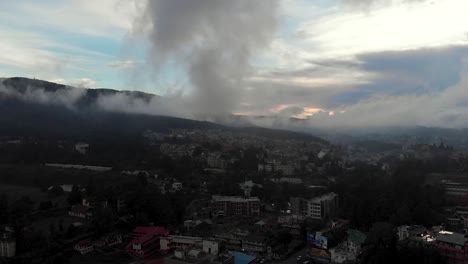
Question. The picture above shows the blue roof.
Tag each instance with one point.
(240, 258)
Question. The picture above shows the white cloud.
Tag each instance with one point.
(122, 64)
(397, 27)
(103, 18)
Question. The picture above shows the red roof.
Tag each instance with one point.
(145, 235)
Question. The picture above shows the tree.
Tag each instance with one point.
(45, 205)
(103, 220)
(382, 235)
(19, 209)
(4, 214)
(56, 191)
(75, 196)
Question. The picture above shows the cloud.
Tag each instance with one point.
(66, 97)
(122, 64)
(400, 26)
(213, 40)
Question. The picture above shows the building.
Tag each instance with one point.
(286, 169)
(452, 246)
(322, 207)
(292, 223)
(179, 242)
(84, 246)
(298, 205)
(407, 232)
(80, 211)
(255, 243)
(112, 239)
(215, 160)
(7, 245)
(146, 241)
(235, 206)
(211, 246)
(267, 167)
(355, 241)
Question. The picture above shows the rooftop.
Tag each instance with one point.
(452, 238)
(325, 197)
(217, 198)
(357, 237)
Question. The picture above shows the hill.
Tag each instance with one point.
(33, 107)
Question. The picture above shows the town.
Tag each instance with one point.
(230, 196)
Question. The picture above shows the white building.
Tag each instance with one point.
(322, 207)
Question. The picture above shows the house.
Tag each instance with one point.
(84, 246)
(146, 241)
(80, 211)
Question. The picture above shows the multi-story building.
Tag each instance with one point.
(7, 245)
(322, 207)
(452, 246)
(235, 206)
(298, 205)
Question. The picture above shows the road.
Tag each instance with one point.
(293, 258)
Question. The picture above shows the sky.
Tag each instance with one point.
(333, 63)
